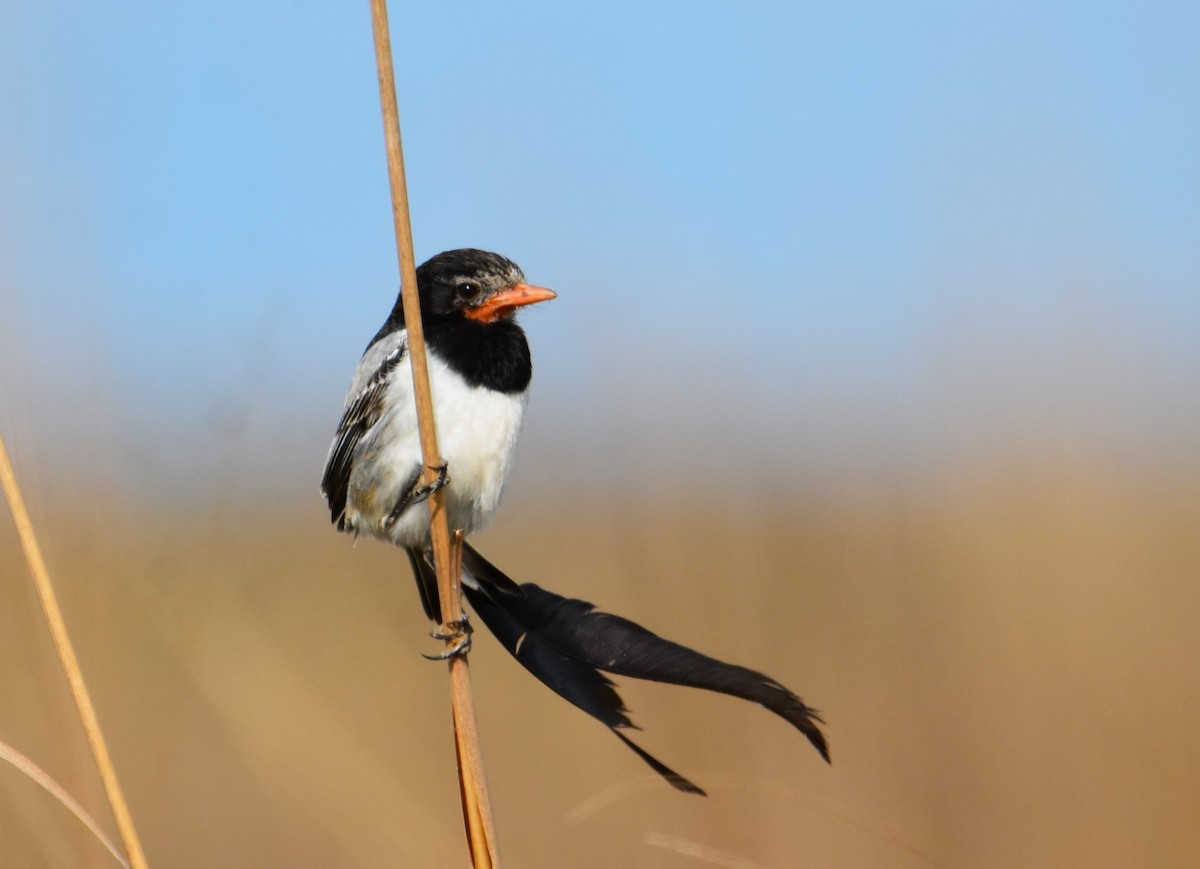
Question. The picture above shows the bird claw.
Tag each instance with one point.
(420, 493)
(460, 632)
(417, 494)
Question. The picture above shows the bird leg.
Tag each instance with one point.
(460, 632)
(417, 493)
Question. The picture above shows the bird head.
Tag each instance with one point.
(481, 286)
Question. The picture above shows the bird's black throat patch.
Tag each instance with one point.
(492, 355)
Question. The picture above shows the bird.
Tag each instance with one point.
(480, 369)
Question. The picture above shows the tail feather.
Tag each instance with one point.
(566, 644)
(617, 645)
(427, 586)
(573, 680)
(476, 565)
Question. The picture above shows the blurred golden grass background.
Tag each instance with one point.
(1007, 661)
(912, 311)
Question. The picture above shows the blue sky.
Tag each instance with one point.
(885, 230)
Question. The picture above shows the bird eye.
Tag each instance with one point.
(469, 292)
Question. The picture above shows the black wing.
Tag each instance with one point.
(361, 414)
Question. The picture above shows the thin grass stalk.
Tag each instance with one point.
(476, 806)
(43, 780)
(70, 664)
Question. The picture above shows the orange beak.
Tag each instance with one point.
(504, 301)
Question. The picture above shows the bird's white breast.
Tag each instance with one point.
(477, 432)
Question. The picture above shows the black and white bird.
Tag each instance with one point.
(479, 374)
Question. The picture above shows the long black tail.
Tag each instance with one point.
(427, 585)
(566, 644)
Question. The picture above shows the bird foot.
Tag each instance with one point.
(460, 632)
(417, 494)
(420, 493)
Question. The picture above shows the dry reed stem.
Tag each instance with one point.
(476, 807)
(477, 816)
(70, 664)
